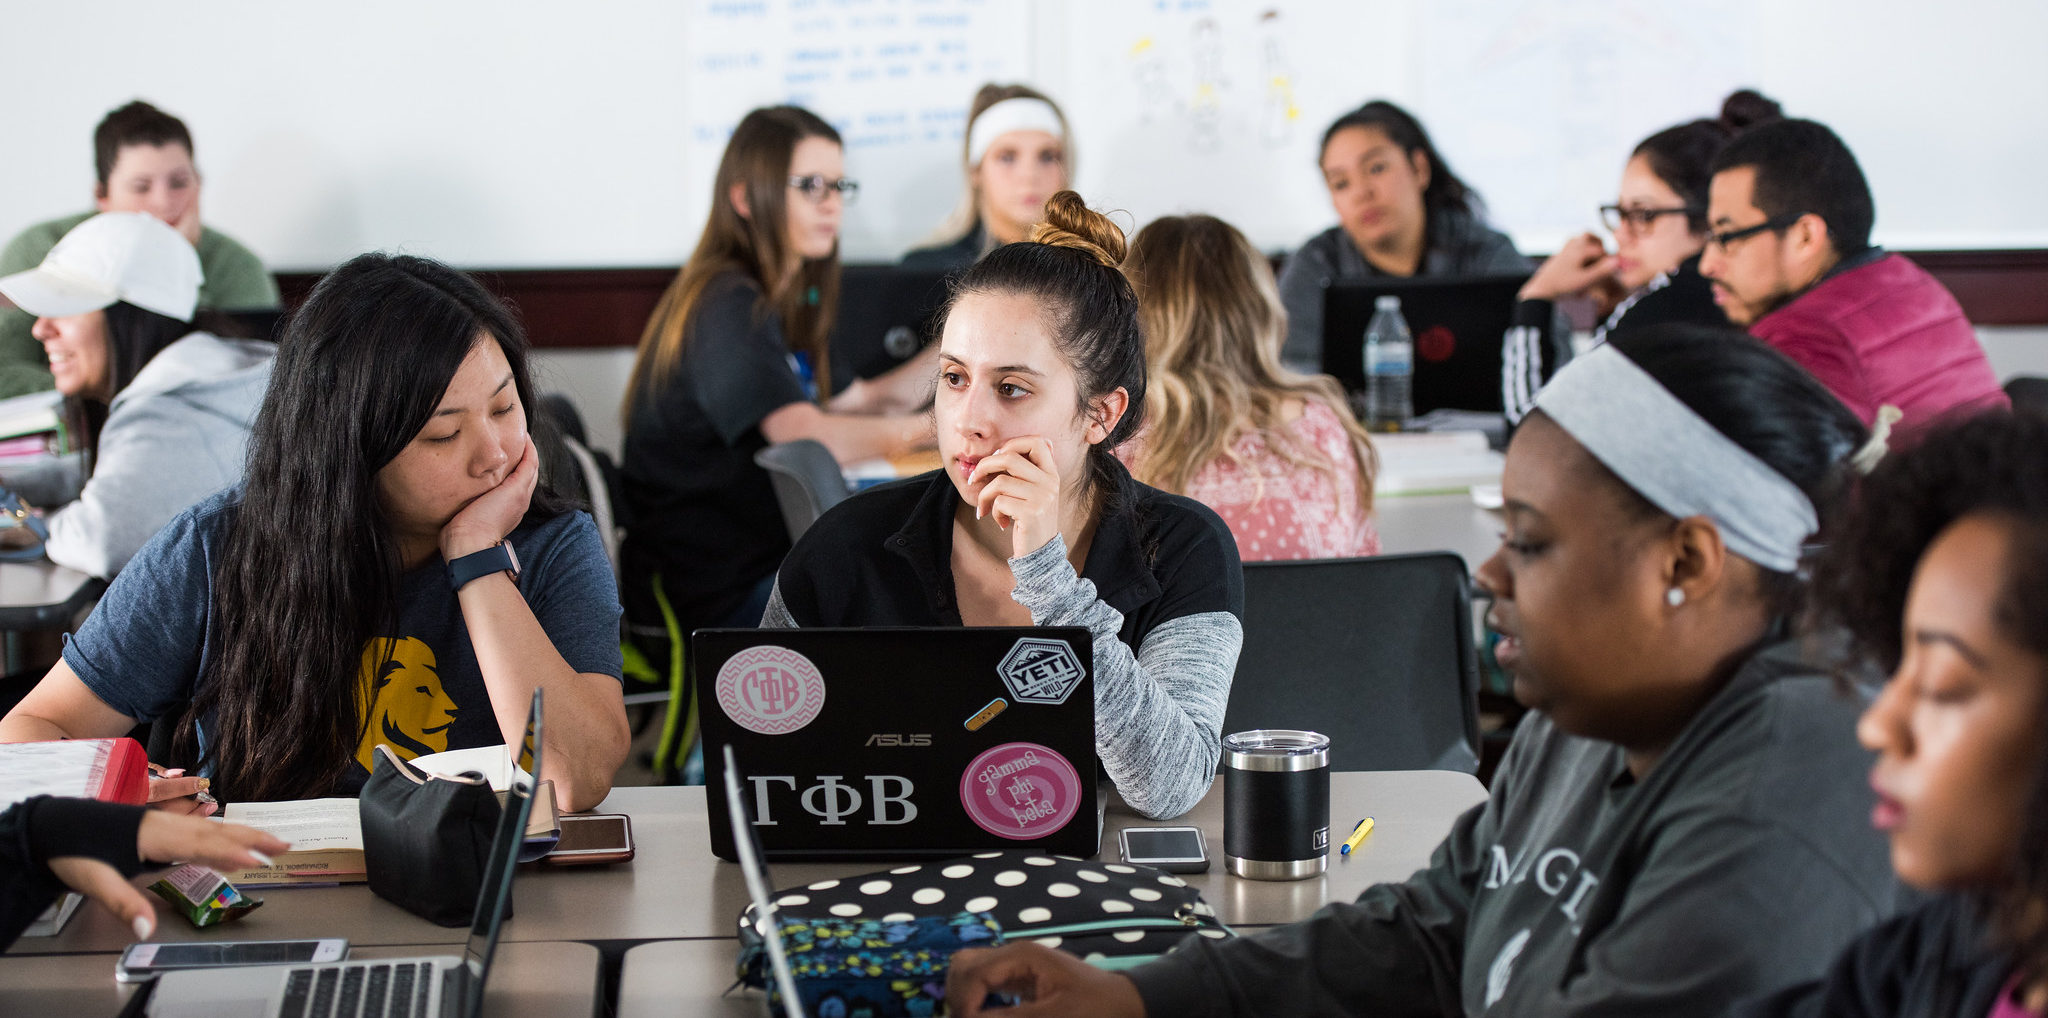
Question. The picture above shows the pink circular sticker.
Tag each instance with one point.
(770, 690)
(1020, 791)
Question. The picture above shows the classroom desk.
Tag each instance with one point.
(677, 977)
(43, 595)
(537, 980)
(675, 888)
(1437, 523)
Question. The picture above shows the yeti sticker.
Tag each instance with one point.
(408, 710)
(1041, 671)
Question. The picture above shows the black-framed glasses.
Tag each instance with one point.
(1638, 219)
(1726, 237)
(816, 186)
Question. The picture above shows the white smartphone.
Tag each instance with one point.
(146, 960)
(600, 838)
(1173, 849)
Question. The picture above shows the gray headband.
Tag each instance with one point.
(1673, 457)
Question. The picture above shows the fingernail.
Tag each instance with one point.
(260, 857)
(143, 927)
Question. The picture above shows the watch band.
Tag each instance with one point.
(497, 558)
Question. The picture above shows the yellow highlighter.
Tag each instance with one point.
(1357, 835)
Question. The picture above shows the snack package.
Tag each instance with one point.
(203, 897)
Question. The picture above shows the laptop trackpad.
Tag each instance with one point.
(215, 993)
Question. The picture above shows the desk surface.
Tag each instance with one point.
(43, 595)
(674, 977)
(1437, 523)
(540, 980)
(675, 888)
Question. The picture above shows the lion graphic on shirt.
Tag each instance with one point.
(408, 710)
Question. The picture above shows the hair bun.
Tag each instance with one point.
(1747, 108)
(1070, 223)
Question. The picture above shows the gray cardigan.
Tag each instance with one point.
(176, 434)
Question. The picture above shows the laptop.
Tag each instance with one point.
(904, 743)
(755, 871)
(1457, 325)
(443, 985)
(886, 314)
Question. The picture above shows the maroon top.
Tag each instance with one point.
(1886, 332)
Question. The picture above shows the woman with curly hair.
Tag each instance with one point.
(1942, 576)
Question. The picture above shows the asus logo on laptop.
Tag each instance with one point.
(921, 739)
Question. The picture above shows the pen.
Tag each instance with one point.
(1357, 835)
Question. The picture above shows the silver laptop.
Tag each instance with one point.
(759, 889)
(443, 985)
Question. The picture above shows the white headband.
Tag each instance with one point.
(1020, 114)
(1673, 457)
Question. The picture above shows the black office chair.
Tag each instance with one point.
(1375, 653)
(2029, 393)
(807, 481)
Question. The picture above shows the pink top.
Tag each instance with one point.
(2007, 1007)
(1279, 510)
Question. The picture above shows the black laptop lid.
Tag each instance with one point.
(903, 743)
(886, 313)
(1457, 325)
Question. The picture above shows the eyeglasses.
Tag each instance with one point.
(1726, 237)
(1638, 219)
(816, 186)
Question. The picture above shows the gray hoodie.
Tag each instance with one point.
(177, 433)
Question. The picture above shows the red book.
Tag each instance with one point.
(111, 770)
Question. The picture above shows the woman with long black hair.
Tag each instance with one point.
(391, 571)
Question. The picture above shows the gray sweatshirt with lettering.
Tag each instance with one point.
(1742, 863)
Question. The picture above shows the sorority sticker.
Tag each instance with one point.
(770, 690)
(1020, 790)
(1038, 670)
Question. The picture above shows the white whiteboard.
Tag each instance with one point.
(536, 133)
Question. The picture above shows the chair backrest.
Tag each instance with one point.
(599, 493)
(2029, 393)
(807, 481)
(1376, 653)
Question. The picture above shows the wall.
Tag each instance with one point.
(524, 133)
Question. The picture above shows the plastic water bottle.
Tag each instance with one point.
(1389, 367)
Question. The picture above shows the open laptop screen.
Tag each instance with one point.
(496, 892)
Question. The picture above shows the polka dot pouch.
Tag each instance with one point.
(1113, 915)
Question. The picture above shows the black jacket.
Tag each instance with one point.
(34, 831)
(1933, 961)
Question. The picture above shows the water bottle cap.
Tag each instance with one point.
(1387, 302)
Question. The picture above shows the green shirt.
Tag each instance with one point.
(235, 281)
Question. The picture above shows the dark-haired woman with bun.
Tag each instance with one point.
(1680, 823)
(1941, 577)
(1659, 223)
(1400, 212)
(1032, 520)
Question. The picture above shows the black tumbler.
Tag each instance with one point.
(1276, 804)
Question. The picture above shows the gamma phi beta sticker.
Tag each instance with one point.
(1020, 791)
(770, 690)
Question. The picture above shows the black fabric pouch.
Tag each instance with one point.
(427, 839)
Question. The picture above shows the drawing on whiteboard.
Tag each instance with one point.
(1148, 68)
(1205, 110)
(1280, 109)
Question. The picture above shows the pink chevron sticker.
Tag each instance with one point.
(770, 690)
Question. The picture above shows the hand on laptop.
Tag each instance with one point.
(1044, 981)
(1022, 493)
(165, 837)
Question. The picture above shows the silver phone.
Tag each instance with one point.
(146, 960)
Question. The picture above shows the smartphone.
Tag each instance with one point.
(1173, 849)
(599, 838)
(145, 960)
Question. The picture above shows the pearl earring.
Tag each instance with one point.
(1674, 597)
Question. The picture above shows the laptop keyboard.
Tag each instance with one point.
(391, 990)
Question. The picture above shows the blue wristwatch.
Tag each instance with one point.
(497, 558)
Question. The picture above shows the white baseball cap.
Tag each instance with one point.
(114, 256)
